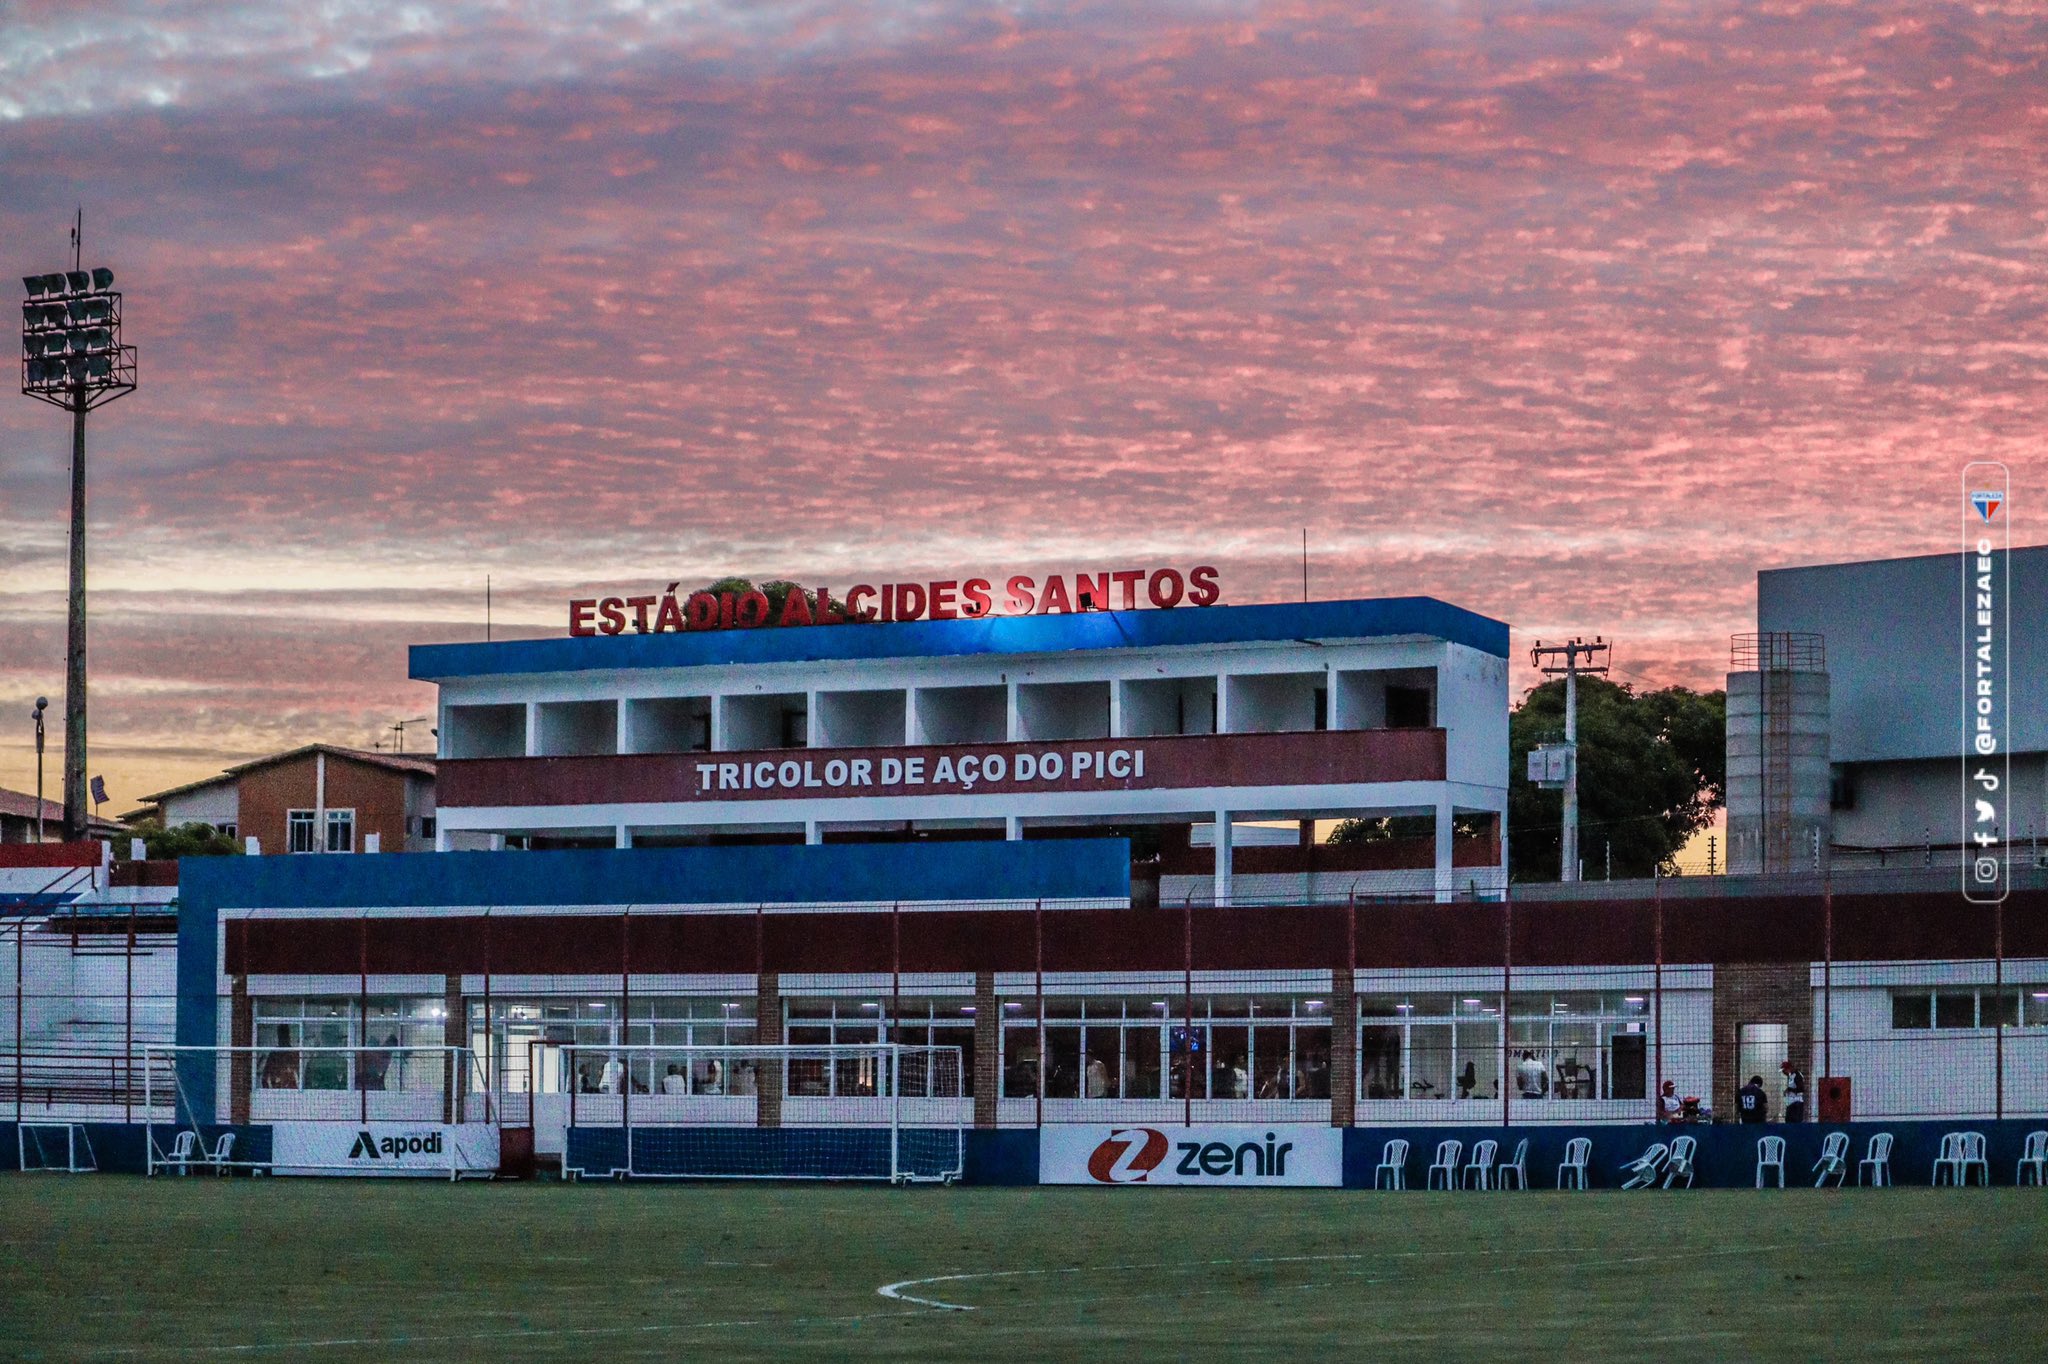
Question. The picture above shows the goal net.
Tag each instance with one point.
(390, 1110)
(861, 1111)
(59, 1146)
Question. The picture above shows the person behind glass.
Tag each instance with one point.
(1752, 1105)
(1098, 1078)
(1669, 1108)
(673, 1082)
(1795, 1093)
(281, 1067)
(611, 1080)
(1468, 1079)
(1530, 1077)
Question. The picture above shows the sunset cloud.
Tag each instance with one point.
(1575, 314)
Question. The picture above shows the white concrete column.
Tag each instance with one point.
(811, 719)
(622, 740)
(1116, 708)
(1222, 703)
(1446, 876)
(533, 729)
(1013, 828)
(1015, 728)
(319, 806)
(718, 724)
(1223, 857)
(622, 837)
(911, 732)
(814, 833)
(444, 841)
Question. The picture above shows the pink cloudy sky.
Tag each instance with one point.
(1574, 312)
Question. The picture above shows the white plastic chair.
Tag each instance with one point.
(182, 1149)
(1770, 1155)
(222, 1149)
(1877, 1158)
(1516, 1169)
(1833, 1163)
(1642, 1172)
(1479, 1172)
(1571, 1171)
(1961, 1152)
(1680, 1164)
(1393, 1166)
(1447, 1153)
(2034, 1159)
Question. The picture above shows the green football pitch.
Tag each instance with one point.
(121, 1267)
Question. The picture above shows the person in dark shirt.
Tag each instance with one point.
(1795, 1093)
(1751, 1103)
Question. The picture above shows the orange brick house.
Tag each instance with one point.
(320, 798)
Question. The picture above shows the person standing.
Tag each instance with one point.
(1795, 1093)
(1668, 1106)
(1752, 1105)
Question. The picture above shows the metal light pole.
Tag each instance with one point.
(42, 704)
(72, 357)
(1577, 656)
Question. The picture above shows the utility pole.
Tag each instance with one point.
(1570, 659)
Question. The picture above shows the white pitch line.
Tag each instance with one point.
(895, 1291)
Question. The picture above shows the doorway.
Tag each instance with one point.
(1761, 1049)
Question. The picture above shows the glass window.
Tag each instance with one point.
(1996, 1010)
(1915, 1010)
(298, 831)
(2035, 1000)
(1955, 1009)
(341, 831)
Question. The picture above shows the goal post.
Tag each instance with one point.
(846, 1111)
(60, 1146)
(359, 1110)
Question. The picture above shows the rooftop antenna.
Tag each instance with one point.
(1304, 563)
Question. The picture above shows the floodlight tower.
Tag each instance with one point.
(72, 357)
(1571, 658)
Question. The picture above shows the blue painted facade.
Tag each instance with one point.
(1371, 619)
(838, 873)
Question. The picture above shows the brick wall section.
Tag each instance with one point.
(988, 1041)
(1747, 992)
(1343, 1043)
(266, 793)
(768, 1032)
(241, 1033)
(376, 794)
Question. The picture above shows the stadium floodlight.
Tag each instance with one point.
(72, 357)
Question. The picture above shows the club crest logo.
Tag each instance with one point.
(1987, 502)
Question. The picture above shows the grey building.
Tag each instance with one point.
(1891, 652)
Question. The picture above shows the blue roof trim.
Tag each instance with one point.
(1052, 869)
(954, 638)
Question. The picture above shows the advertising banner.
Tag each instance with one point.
(1215, 1155)
(383, 1148)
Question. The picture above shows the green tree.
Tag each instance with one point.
(1388, 828)
(186, 840)
(1652, 770)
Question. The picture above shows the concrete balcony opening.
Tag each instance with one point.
(1273, 703)
(774, 720)
(859, 719)
(577, 729)
(669, 724)
(485, 732)
(1169, 705)
(1062, 710)
(961, 715)
(1389, 698)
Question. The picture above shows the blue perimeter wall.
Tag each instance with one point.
(835, 873)
(1009, 1156)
